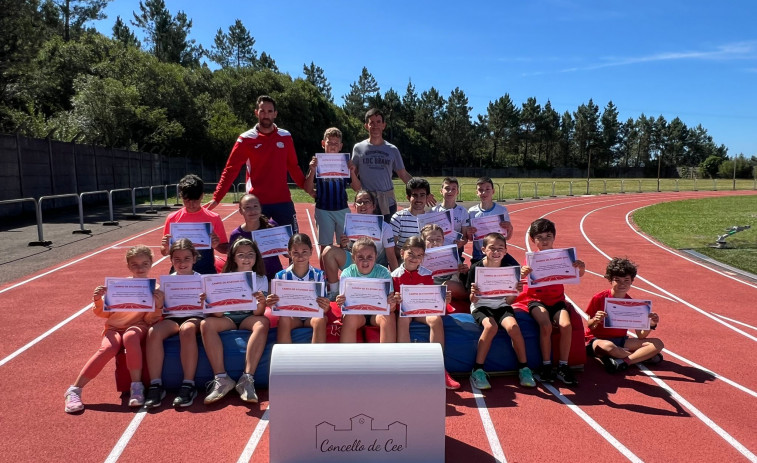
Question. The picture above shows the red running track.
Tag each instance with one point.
(698, 405)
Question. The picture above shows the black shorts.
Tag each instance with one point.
(620, 342)
(180, 320)
(498, 314)
(551, 309)
(238, 317)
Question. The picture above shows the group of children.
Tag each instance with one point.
(396, 256)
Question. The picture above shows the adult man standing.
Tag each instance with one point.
(375, 159)
(268, 152)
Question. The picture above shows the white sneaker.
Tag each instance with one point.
(218, 388)
(246, 388)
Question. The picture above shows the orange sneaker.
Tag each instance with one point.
(449, 382)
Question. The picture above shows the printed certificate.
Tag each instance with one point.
(423, 300)
(443, 260)
(229, 292)
(441, 218)
(331, 165)
(357, 225)
(488, 224)
(629, 314)
(198, 233)
(272, 241)
(553, 266)
(129, 295)
(497, 281)
(365, 296)
(182, 294)
(297, 298)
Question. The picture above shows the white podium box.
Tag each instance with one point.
(357, 403)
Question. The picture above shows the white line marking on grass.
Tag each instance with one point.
(735, 321)
(257, 434)
(706, 420)
(118, 449)
(591, 422)
(682, 301)
(486, 421)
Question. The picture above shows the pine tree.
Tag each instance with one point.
(315, 75)
(234, 48)
(124, 35)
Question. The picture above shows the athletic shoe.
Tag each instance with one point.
(137, 395)
(657, 358)
(155, 394)
(613, 365)
(246, 388)
(526, 377)
(565, 375)
(450, 383)
(478, 379)
(73, 400)
(186, 396)
(546, 373)
(218, 388)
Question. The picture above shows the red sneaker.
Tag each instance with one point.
(449, 382)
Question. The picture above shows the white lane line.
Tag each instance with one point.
(706, 420)
(591, 422)
(115, 454)
(314, 234)
(486, 421)
(676, 298)
(257, 434)
(679, 255)
(734, 321)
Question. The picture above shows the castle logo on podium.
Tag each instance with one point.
(361, 436)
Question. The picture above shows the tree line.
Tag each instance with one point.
(62, 79)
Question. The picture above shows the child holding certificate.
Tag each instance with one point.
(404, 223)
(336, 258)
(187, 324)
(252, 212)
(612, 345)
(493, 312)
(433, 236)
(486, 207)
(460, 218)
(122, 330)
(244, 256)
(364, 254)
(548, 307)
(300, 249)
(191, 190)
(330, 193)
(410, 272)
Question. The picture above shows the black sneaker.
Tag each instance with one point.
(657, 358)
(186, 397)
(155, 394)
(546, 373)
(565, 375)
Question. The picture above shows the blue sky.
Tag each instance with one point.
(696, 60)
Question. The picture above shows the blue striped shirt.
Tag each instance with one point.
(313, 274)
(331, 193)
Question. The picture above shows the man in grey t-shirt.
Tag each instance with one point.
(375, 160)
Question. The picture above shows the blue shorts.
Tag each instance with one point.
(282, 213)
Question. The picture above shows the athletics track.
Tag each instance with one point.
(698, 405)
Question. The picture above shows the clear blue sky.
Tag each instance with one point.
(693, 59)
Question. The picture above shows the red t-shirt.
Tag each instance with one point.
(402, 276)
(268, 158)
(598, 303)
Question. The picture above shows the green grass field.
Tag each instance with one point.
(696, 223)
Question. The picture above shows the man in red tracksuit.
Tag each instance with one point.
(268, 152)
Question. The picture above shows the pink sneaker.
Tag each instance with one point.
(73, 400)
(449, 382)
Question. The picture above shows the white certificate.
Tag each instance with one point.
(229, 292)
(332, 165)
(365, 296)
(423, 300)
(441, 218)
(129, 295)
(297, 298)
(488, 224)
(198, 233)
(357, 225)
(497, 281)
(272, 241)
(182, 294)
(628, 314)
(552, 266)
(443, 260)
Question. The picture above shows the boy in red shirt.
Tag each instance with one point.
(612, 345)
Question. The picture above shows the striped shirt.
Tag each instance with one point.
(313, 274)
(404, 225)
(331, 193)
